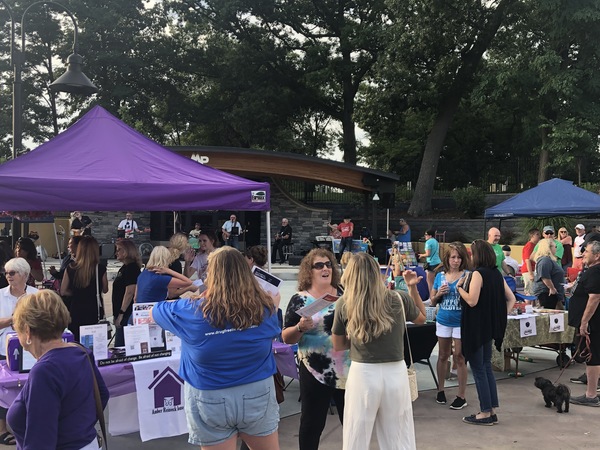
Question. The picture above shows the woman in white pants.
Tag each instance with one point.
(369, 320)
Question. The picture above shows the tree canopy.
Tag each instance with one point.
(449, 94)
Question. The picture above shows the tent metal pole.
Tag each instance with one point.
(387, 220)
(268, 224)
(56, 238)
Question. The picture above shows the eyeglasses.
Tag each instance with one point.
(12, 273)
(321, 265)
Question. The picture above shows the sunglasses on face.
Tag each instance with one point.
(12, 273)
(548, 233)
(321, 265)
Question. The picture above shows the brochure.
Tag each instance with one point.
(142, 316)
(270, 283)
(137, 339)
(94, 338)
(319, 304)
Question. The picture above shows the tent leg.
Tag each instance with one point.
(58, 252)
(269, 240)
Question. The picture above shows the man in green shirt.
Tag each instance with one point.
(493, 239)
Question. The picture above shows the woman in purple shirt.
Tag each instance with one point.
(56, 408)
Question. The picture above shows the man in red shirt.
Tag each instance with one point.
(528, 268)
(346, 228)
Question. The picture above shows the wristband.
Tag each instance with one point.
(121, 312)
(298, 328)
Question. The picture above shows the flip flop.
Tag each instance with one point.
(7, 439)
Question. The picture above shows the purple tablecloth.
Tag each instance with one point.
(119, 378)
(284, 358)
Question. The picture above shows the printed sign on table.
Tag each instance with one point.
(528, 327)
(557, 323)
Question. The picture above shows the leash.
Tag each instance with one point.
(584, 353)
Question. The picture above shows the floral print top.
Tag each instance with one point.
(315, 349)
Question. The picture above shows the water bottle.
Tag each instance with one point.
(443, 280)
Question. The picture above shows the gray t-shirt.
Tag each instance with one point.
(545, 267)
(389, 346)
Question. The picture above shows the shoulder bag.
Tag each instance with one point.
(412, 373)
(102, 442)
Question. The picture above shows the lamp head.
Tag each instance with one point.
(74, 80)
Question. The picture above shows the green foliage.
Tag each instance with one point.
(470, 200)
(557, 222)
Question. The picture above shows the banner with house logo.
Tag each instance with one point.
(160, 397)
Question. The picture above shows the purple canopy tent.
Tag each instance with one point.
(101, 164)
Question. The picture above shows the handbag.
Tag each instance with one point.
(412, 373)
(279, 386)
(467, 281)
(102, 441)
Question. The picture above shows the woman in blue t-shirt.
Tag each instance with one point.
(431, 255)
(444, 293)
(158, 282)
(226, 357)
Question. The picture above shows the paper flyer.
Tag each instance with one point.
(557, 323)
(267, 281)
(137, 339)
(316, 306)
(94, 338)
(141, 316)
(141, 313)
(528, 327)
(173, 343)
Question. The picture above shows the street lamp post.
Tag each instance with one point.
(72, 81)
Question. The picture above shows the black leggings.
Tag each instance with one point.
(316, 399)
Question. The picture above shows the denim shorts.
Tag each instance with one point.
(215, 416)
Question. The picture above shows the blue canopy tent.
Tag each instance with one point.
(554, 197)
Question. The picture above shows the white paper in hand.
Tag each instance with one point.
(318, 305)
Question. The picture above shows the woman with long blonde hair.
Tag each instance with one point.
(226, 357)
(370, 321)
(158, 282)
(83, 280)
(548, 282)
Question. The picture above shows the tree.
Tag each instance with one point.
(318, 51)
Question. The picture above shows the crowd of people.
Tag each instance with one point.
(350, 353)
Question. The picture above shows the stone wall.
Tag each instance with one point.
(306, 222)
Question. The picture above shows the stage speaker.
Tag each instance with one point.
(294, 260)
(388, 200)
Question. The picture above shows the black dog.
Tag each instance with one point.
(558, 394)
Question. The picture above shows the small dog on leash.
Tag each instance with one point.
(559, 395)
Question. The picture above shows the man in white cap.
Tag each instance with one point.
(577, 255)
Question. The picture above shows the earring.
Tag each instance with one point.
(28, 342)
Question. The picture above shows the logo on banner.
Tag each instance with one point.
(259, 196)
(167, 387)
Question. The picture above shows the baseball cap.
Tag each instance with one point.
(580, 226)
(548, 228)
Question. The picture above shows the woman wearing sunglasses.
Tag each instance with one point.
(322, 369)
(17, 271)
(567, 241)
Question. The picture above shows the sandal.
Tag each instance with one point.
(7, 439)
